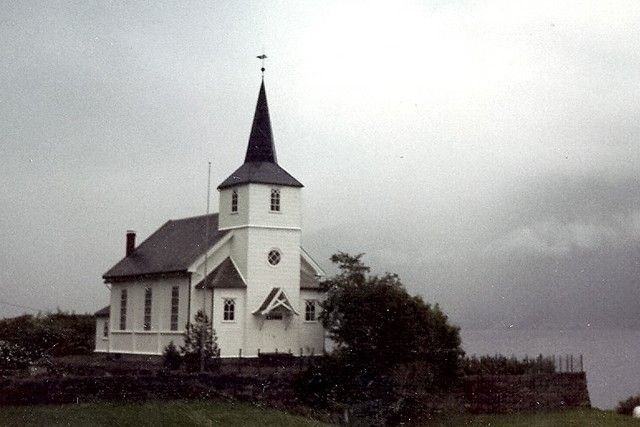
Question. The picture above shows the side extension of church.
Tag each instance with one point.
(242, 266)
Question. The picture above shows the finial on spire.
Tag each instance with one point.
(262, 58)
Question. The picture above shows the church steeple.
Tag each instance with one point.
(261, 147)
(260, 164)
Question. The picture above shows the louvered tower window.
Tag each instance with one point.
(234, 201)
(275, 200)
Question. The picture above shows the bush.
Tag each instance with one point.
(57, 334)
(171, 357)
(625, 407)
(498, 364)
(14, 356)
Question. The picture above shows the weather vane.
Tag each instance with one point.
(262, 58)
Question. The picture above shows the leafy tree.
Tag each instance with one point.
(378, 327)
(200, 350)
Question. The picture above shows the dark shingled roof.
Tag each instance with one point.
(171, 249)
(224, 275)
(103, 312)
(260, 173)
(261, 164)
(261, 147)
(308, 278)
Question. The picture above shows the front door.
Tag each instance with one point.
(274, 334)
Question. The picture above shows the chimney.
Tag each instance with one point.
(131, 242)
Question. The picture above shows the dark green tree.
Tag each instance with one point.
(200, 350)
(378, 327)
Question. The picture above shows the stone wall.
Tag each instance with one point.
(527, 392)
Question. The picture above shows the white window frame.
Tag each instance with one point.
(307, 304)
(175, 309)
(279, 253)
(148, 307)
(123, 309)
(275, 200)
(234, 201)
(229, 310)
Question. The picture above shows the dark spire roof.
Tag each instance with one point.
(260, 164)
(261, 147)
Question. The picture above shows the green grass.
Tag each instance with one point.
(182, 413)
(571, 418)
(149, 414)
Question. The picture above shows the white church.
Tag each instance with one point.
(243, 266)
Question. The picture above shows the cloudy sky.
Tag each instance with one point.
(485, 151)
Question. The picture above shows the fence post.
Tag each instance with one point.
(239, 360)
(571, 362)
(301, 360)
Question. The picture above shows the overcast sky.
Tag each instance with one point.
(487, 152)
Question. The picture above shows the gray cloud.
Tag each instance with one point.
(486, 152)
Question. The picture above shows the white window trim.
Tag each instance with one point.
(235, 314)
(232, 212)
(315, 311)
(279, 262)
(279, 200)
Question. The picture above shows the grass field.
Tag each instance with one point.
(230, 414)
(149, 414)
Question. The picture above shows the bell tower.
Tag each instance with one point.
(260, 203)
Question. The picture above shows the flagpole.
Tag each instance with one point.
(204, 281)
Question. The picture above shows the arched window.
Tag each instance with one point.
(229, 311)
(234, 201)
(275, 200)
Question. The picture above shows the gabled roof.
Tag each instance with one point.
(171, 249)
(225, 275)
(309, 279)
(260, 163)
(276, 299)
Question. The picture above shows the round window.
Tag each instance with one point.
(274, 257)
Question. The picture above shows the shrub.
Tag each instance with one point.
(171, 357)
(14, 356)
(625, 407)
(500, 364)
(58, 334)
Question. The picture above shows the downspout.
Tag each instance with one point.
(189, 301)
(212, 329)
